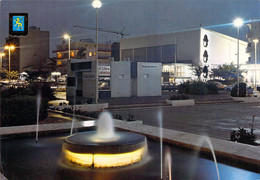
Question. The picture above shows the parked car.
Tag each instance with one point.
(229, 88)
(218, 84)
(168, 87)
(249, 89)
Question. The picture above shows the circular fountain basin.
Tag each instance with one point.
(88, 150)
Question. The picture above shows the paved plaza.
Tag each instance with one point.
(212, 119)
(212, 115)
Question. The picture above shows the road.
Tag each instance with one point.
(214, 120)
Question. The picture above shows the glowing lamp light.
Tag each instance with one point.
(66, 36)
(11, 47)
(255, 41)
(238, 22)
(2, 54)
(96, 4)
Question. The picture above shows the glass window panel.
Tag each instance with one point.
(154, 54)
(140, 54)
(104, 83)
(168, 53)
(127, 55)
(71, 81)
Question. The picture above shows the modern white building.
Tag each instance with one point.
(135, 79)
(119, 79)
(177, 51)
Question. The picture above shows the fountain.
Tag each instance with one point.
(205, 139)
(103, 148)
(38, 114)
(161, 140)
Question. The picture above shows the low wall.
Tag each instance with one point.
(246, 99)
(188, 102)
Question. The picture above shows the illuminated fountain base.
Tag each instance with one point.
(87, 150)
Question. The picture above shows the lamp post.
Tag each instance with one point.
(255, 41)
(1, 58)
(96, 4)
(66, 36)
(238, 23)
(9, 48)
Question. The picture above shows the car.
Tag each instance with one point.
(229, 87)
(218, 84)
(249, 89)
(168, 87)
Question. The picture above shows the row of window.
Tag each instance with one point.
(72, 55)
(164, 54)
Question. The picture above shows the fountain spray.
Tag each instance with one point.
(74, 106)
(161, 143)
(38, 113)
(207, 140)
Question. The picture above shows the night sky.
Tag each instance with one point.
(139, 17)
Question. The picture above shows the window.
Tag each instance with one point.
(59, 63)
(71, 81)
(127, 55)
(121, 76)
(168, 53)
(59, 55)
(146, 76)
(72, 54)
(140, 54)
(104, 83)
(154, 54)
(80, 66)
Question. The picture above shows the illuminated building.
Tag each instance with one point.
(83, 49)
(253, 48)
(177, 51)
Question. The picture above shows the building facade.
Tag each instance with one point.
(30, 51)
(179, 51)
(119, 79)
(253, 66)
(83, 49)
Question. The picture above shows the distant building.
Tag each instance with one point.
(179, 50)
(30, 51)
(83, 49)
(253, 34)
(253, 48)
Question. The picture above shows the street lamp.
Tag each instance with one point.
(96, 4)
(255, 41)
(66, 36)
(1, 58)
(9, 48)
(238, 23)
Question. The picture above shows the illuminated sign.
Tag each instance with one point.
(18, 24)
(104, 70)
